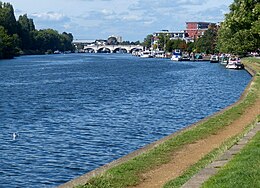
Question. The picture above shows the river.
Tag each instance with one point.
(75, 112)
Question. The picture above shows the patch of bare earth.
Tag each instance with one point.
(192, 153)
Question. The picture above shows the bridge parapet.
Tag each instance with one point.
(113, 48)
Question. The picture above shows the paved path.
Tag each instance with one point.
(210, 170)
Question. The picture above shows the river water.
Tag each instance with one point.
(76, 112)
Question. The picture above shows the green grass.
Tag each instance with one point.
(191, 171)
(242, 171)
(127, 174)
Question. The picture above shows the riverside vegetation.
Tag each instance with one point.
(20, 36)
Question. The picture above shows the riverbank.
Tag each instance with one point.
(169, 158)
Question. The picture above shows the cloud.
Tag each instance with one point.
(133, 19)
(50, 17)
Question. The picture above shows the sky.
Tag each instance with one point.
(131, 19)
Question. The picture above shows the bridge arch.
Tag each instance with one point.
(120, 50)
(104, 50)
(89, 50)
(135, 49)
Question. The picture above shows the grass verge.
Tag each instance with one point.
(242, 171)
(194, 169)
(127, 174)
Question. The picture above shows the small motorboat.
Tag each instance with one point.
(224, 60)
(177, 55)
(146, 54)
(214, 59)
(185, 57)
(234, 63)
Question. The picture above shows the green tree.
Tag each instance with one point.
(148, 41)
(190, 47)
(176, 44)
(240, 32)
(7, 18)
(26, 28)
(22, 36)
(47, 40)
(163, 39)
(207, 43)
(170, 46)
(66, 42)
(7, 44)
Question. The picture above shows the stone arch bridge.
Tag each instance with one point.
(112, 48)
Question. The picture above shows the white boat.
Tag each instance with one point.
(234, 63)
(159, 54)
(146, 54)
(214, 59)
(57, 52)
(224, 60)
(185, 57)
(177, 55)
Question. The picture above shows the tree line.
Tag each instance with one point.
(19, 37)
(239, 33)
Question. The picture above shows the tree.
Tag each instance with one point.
(66, 42)
(7, 44)
(47, 40)
(25, 31)
(22, 36)
(240, 32)
(163, 39)
(170, 46)
(176, 44)
(207, 43)
(148, 41)
(112, 41)
(190, 47)
(7, 18)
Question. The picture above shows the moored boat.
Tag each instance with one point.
(159, 54)
(224, 60)
(146, 54)
(234, 63)
(214, 59)
(185, 57)
(177, 55)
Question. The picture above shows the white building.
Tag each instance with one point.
(174, 35)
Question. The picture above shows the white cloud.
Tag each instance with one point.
(132, 19)
(50, 16)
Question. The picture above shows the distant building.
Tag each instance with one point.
(83, 41)
(80, 43)
(100, 42)
(118, 39)
(197, 29)
(174, 35)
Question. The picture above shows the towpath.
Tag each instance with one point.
(192, 153)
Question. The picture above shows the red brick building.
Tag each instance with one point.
(196, 29)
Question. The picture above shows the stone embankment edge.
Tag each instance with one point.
(210, 170)
(81, 180)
